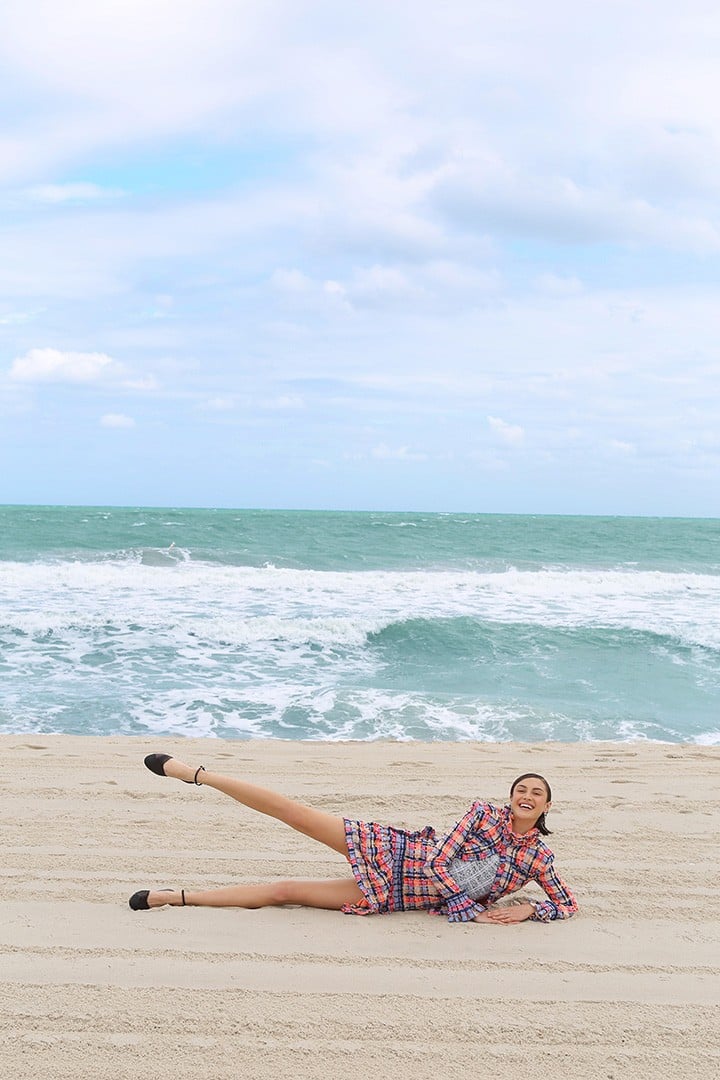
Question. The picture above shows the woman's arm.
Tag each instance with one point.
(512, 914)
(560, 903)
(460, 907)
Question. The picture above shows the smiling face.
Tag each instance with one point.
(529, 798)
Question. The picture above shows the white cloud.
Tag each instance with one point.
(558, 284)
(148, 382)
(427, 233)
(14, 318)
(52, 365)
(383, 452)
(292, 281)
(466, 278)
(512, 434)
(558, 208)
(410, 285)
(377, 285)
(536, 96)
(285, 401)
(117, 420)
(79, 191)
(618, 446)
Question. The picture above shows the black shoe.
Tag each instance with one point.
(155, 762)
(139, 900)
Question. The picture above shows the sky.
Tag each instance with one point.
(459, 256)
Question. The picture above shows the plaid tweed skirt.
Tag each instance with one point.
(389, 867)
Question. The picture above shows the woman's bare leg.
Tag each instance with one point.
(325, 828)
(331, 895)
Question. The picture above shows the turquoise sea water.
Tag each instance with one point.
(358, 625)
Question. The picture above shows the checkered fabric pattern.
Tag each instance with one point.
(399, 871)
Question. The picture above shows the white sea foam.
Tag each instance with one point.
(144, 642)
(244, 604)
(330, 715)
(708, 738)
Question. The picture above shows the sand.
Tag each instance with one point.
(88, 988)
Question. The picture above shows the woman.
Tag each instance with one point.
(491, 852)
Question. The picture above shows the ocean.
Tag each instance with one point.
(329, 626)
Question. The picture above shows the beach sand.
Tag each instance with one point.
(88, 988)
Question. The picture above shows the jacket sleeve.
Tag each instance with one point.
(457, 904)
(560, 903)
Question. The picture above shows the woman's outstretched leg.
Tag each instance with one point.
(331, 895)
(326, 828)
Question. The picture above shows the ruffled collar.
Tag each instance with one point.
(518, 839)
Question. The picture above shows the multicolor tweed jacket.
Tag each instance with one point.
(487, 829)
(398, 870)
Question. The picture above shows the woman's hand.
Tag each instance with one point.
(513, 914)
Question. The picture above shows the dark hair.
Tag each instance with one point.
(540, 823)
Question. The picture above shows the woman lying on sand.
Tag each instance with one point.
(491, 852)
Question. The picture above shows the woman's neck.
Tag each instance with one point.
(520, 828)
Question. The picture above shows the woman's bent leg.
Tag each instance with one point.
(331, 895)
(326, 828)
